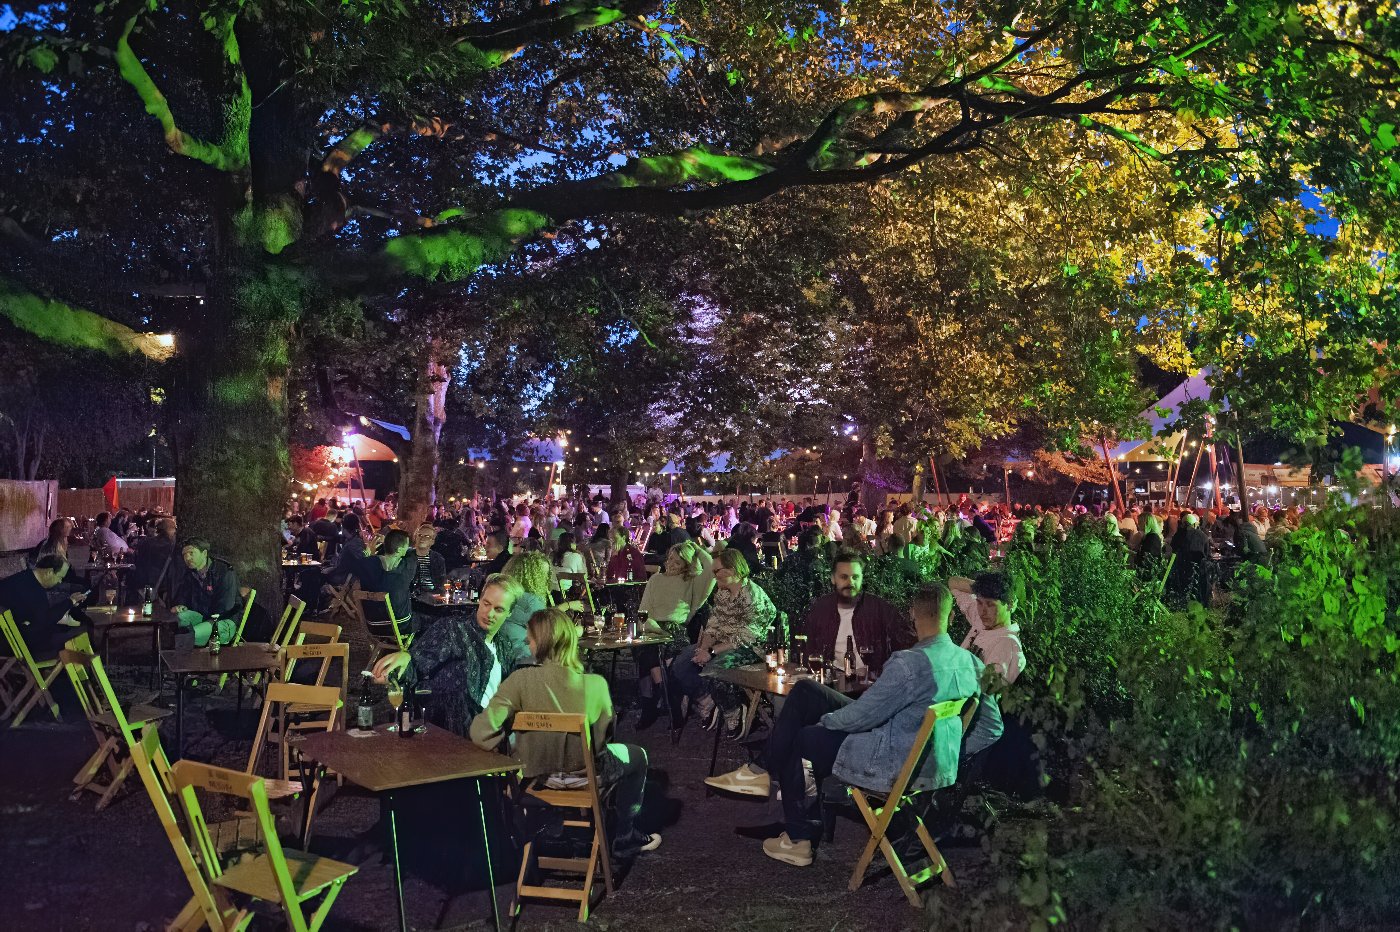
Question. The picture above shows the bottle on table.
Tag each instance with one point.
(364, 708)
(214, 645)
(148, 607)
(848, 666)
(405, 712)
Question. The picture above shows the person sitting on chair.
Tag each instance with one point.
(848, 614)
(558, 684)
(458, 658)
(865, 741)
(206, 588)
(44, 626)
(388, 572)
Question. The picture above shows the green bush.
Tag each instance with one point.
(1225, 769)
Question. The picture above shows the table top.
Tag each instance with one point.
(113, 615)
(623, 582)
(387, 762)
(433, 604)
(608, 642)
(92, 567)
(761, 680)
(297, 564)
(235, 658)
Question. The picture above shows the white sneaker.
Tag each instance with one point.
(783, 848)
(809, 780)
(746, 781)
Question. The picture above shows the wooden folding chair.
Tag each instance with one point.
(288, 879)
(209, 906)
(341, 600)
(29, 679)
(285, 631)
(578, 583)
(878, 818)
(322, 655)
(114, 730)
(381, 644)
(295, 705)
(248, 596)
(587, 799)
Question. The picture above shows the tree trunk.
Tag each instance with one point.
(617, 482)
(233, 475)
(870, 496)
(419, 467)
(916, 489)
(1113, 476)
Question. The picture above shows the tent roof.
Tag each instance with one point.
(1191, 389)
(718, 463)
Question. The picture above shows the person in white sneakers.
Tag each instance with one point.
(865, 741)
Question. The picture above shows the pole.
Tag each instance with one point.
(1112, 473)
(1240, 477)
(828, 496)
(1215, 477)
(1195, 468)
(355, 455)
(1006, 483)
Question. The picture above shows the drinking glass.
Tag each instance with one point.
(814, 663)
(395, 700)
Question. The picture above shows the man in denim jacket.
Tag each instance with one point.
(864, 742)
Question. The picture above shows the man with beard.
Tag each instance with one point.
(847, 613)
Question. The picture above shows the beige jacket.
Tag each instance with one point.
(546, 688)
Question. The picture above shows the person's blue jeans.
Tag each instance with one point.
(688, 673)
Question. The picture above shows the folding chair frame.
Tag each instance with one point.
(238, 634)
(187, 777)
(578, 582)
(38, 675)
(112, 730)
(380, 645)
(878, 818)
(589, 800)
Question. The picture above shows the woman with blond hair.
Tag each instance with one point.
(558, 684)
(671, 599)
(740, 619)
(531, 569)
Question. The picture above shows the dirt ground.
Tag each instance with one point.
(68, 867)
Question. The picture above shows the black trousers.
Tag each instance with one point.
(798, 736)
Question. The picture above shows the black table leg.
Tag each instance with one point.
(714, 752)
(486, 847)
(179, 716)
(155, 655)
(398, 871)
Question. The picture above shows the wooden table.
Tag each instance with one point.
(386, 762)
(593, 643)
(109, 618)
(434, 605)
(754, 680)
(248, 657)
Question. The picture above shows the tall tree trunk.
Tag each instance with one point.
(870, 496)
(917, 488)
(418, 475)
(233, 475)
(617, 482)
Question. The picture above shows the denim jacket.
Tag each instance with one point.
(885, 720)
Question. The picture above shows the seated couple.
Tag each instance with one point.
(865, 741)
(457, 659)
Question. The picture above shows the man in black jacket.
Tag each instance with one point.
(44, 626)
(206, 588)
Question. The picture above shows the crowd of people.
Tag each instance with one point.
(718, 586)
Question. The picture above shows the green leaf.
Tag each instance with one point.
(46, 59)
(1385, 136)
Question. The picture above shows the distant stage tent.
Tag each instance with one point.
(1133, 451)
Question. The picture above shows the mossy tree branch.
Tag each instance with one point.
(66, 325)
(229, 154)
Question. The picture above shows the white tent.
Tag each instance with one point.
(1131, 451)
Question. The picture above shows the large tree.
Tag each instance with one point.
(318, 148)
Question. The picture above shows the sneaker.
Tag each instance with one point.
(635, 843)
(707, 712)
(783, 848)
(745, 781)
(734, 722)
(809, 782)
(566, 781)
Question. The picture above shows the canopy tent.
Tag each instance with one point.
(1148, 450)
(534, 450)
(718, 463)
(369, 450)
